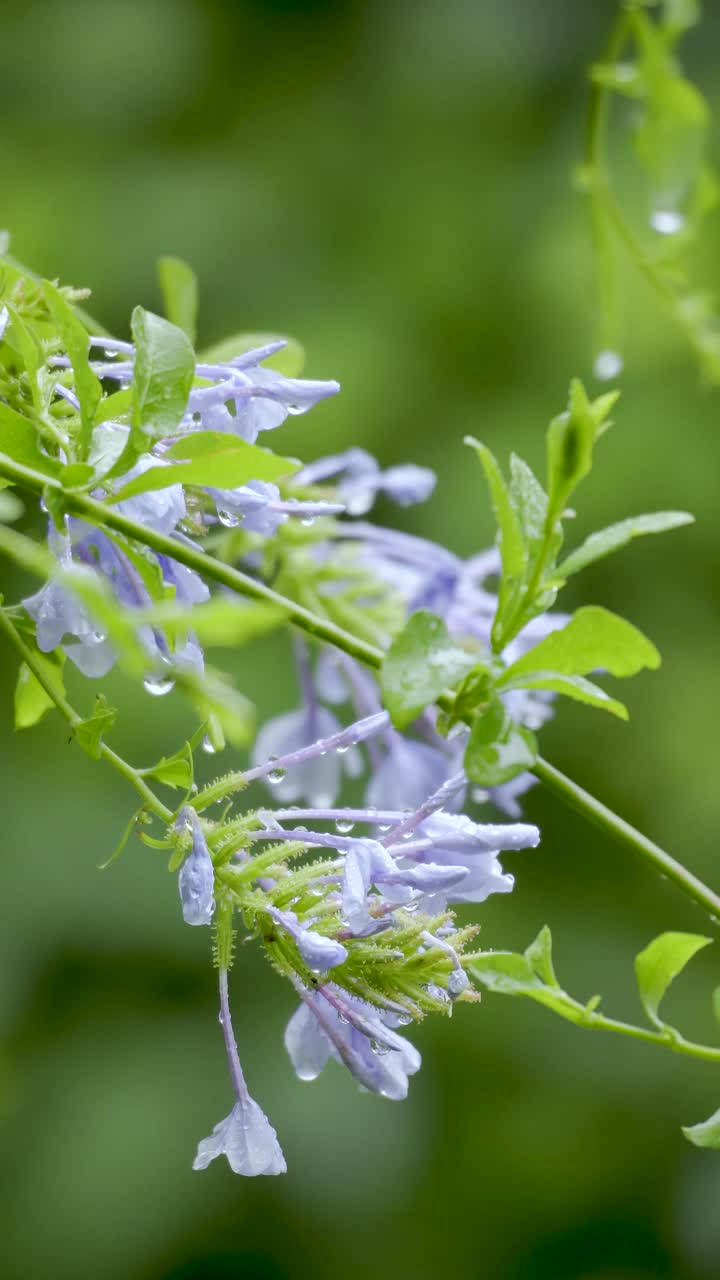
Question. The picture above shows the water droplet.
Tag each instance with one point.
(608, 364)
(343, 826)
(384, 826)
(404, 1019)
(308, 521)
(410, 907)
(667, 222)
(407, 835)
(275, 775)
(345, 1021)
(207, 746)
(480, 795)
(343, 750)
(227, 518)
(158, 686)
(380, 1049)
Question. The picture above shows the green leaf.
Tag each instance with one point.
(164, 372)
(116, 405)
(18, 440)
(570, 440)
(498, 749)
(210, 458)
(74, 337)
(509, 533)
(11, 507)
(680, 15)
(593, 638)
(76, 475)
(31, 701)
(26, 552)
(421, 663)
(605, 541)
(175, 771)
(473, 694)
(706, 1134)
(530, 501)
(23, 339)
(530, 975)
(221, 621)
(661, 961)
(576, 687)
(180, 293)
(89, 733)
(716, 1003)
(290, 361)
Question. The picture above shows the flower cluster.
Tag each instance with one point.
(353, 905)
(365, 933)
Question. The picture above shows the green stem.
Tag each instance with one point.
(102, 515)
(73, 718)
(599, 814)
(673, 1041)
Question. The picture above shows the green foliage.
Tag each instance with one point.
(592, 638)
(90, 733)
(615, 536)
(164, 373)
(180, 294)
(661, 962)
(32, 701)
(421, 663)
(18, 440)
(210, 458)
(531, 975)
(706, 1134)
(498, 749)
(175, 771)
(74, 339)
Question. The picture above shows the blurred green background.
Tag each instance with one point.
(388, 181)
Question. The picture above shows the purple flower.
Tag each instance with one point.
(331, 1023)
(452, 840)
(317, 950)
(409, 773)
(196, 882)
(248, 1140)
(360, 480)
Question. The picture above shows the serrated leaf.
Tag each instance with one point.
(89, 733)
(498, 749)
(290, 361)
(421, 663)
(593, 639)
(661, 961)
(706, 1134)
(180, 293)
(210, 458)
(74, 337)
(576, 687)
(32, 702)
(175, 771)
(605, 541)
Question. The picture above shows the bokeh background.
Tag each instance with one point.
(389, 181)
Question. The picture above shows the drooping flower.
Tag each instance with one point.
(359, 480)
(332, 1023)
(245, 1136)
(196, 882)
